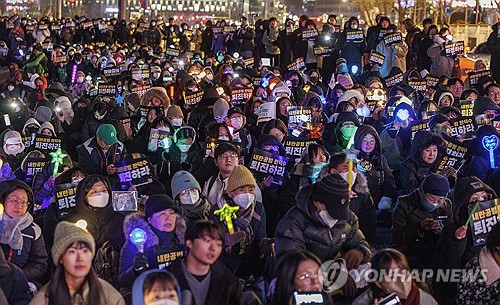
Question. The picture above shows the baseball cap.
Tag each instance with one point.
(107, 133)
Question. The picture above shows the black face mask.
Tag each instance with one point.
(295, 82)
(30, 130)
(314, 79)
(81, 111)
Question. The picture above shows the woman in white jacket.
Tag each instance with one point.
(395, 54)
(269, 39)
(40, 35)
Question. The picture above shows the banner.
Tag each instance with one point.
(392, 81)
(431, 81)
(454, 48)
(418, 126)
(257, 81)
(125, 201)
(267, 111)
(65, 199)
(462, 128)
(192, 99)
(135, 172)
(264, 164)
(106, 89)
(418, 85)
(297, 65)
(87, 25)
(483, 220)
(140, 89)
(112, 72)
(295, 146)
(466, 108)
(28, 140)
(165, 255)
(240, 96)
(212, 143)
(159, 139)
(393, 38)
(310, 34)
(322, 51)
(377, 58)
(60, 59)
(475, 75)
(355, 36)
(299, 120)
(33, 166)
(173, 52)
(46, 143)
(455, 155)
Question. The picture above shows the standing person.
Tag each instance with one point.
(411, 32)
(201, 275)
(75, 281)
(493, 46)
(351, 51)
(206, 39)
(284, 44)
(421, 42)
(394, 54)
(441, 65)
(243, 38)
(270, 40)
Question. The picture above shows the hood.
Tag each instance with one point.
(158, 92)
(28, 122)
(482, 104)
(303, 199)
(362, 131)
(183, 128)
(138, 290)
(49, 126)
(43, 114)
(309, 96)
(442, 95)
(350, 94)
(464, 188)
(8, 186)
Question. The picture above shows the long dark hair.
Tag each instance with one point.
(58, 291)
(286, 275)
(86, 185)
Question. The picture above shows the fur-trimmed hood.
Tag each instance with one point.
(138, 220)
(159, 92)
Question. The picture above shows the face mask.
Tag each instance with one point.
(344, 175)
(295, 82)
(244, 200)
(184, 147)
(237, 122)
(354, 26)
(78, 62)
(224, 138)
(442, 130)
(155, 76)
(79, 79)
(98, 116)
(10, 88)
(176, 122)
(327, 219)
(99, 200)
(165, 302)
(13, 149)
(192, 199)
(137, 76)
(314, 79)
(348, 131)
(363, 111)
(220, 119)
(30, 130)
(76, 180)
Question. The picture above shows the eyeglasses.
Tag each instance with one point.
(310, 277)
(227, 157)
(435, 199)
(188, 192)
(494, 93)
(18, 202)
(371, 142)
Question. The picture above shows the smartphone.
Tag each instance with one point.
(220, 91)
(391, 299)
(6, 119)
(266, 62)
(167, 79)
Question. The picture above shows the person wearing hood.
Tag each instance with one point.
(156, 97)
(13, 149)
(441, 65)
(480, 164)
(426, 152)
(218, 114)
(281, 109)
(493, 46)
(74, 280)
(96, 118)
(99, 154)
(322, 223)
(164, 227)
(395, 54)
(279, 90)
(485, 109)
(37, 97)
(270, 41)
(419, 219)
(30, 127)
(237, 121)
(37, 62)
(186, 192)
(374, 166)
(351, 51)
(81, 85)
(455, 247)
(342, 131)
(21, 238)
(306, 172)
(378, 33)
(156, 287)
(47, 129)
(185, 154)
(444, 98)
(319, 119)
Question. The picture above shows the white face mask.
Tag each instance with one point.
(327, 219)
(244, 200)
(13, 149)
(176, 122)
(98, 200)
(184, 147)
(224, 138)
(76, 180)
(163, 128)
(192, 199)
(79, 79)
(237, 122)
(10, 88)
(344, 175)
(164, 302)
(136, 76)
(155, 75)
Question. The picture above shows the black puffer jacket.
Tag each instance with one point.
(302, 229)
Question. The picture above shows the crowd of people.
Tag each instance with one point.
(225, 163)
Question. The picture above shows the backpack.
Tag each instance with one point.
(107, 263)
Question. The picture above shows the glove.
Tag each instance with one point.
(385, 203)
(439, 40)
(140, 262)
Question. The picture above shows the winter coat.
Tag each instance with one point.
(302, 229)
(246, 43)
(166, 242)
(13, 284)
(90, 127)
(270, 41)
(493, 46)
(441, 65)
(421, 43)
(171, 162)
(351, 51)
(395, 56)
(92, 158)
(224, 288)
(417, 244)
(206, 40)
(394, 148)
(412, 174)
(111, 295)
(366, 298)
(363, 207)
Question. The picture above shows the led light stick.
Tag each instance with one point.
(138, 237)
(227, 214)
(490, 143)
(57, 158)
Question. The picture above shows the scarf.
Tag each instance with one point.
(196, 211)
(12, 228)
(414, 296)
(487, 262)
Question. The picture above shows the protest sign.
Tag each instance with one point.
(46, 143)
(295, 146)
(172, 52)
(212, 143)
(106, 89)
(394, 80)
(297, 65)
(431, 81)
(462, 128)
(418, 126)
(299, 120)
(218, 29)
(393, 38)
(166, 255)
(135, 172)
(192, 99)
(322, 51)
(309, 34)
(466, 108)
(455, 154)
(355, 36)
(240, 96)
(140, 89)
(33, 166)
(264, 164)
(267, 111)
(375, 98)
(418, 85)
(484, 218)
(112, 72)
(454, 48)
(65, 199)
(377, 58)
(249, 62)
(125, 201)
(159, 139)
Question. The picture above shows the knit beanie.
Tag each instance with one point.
(174, 110)
(435, 184)
(345, 80)
(157, 203)
(220, 108)
(332, 191)
(43, 114)
(13, 137)
(181, 181)
(65, 235)
(240, 176)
